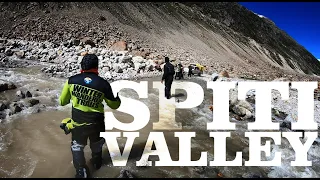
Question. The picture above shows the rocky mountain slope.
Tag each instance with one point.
(219, 35)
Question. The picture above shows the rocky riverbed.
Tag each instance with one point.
(21, 132)
(31, 78)
(63, 60)
(25, 91)
(43, 43)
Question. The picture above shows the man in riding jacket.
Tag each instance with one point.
(87, 90)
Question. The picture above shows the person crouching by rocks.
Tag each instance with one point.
(87, 91)
(168, 75)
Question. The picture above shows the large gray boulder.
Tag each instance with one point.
(241, 108)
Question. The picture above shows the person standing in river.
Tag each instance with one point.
(87, 90)
(168, 75)
(189, 70)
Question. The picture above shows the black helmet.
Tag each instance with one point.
(89, 61)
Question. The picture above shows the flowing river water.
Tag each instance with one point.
(33, 145)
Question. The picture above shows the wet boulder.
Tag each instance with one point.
(28, 94)
(4, 86)
(126, 174)
(11, 86)
(242, 103)
(20, 54)
(8, 52)
(15, 108)
(242, 112)
(316, 142)
(3, 106)
(3, 115)
(20, 94)
(251, 99)
(279, 114)
(242, 108)
(33, 102)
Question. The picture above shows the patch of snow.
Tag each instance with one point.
(261, 16)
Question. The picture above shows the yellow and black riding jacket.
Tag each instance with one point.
(87, 92)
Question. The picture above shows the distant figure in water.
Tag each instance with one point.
(87, 91)
(168, 75)
(190, 71)
(179, 72)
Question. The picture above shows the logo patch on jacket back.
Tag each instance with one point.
(87, 80)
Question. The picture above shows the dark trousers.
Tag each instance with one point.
(179, 75)
(80, 136)
(167, 90)
(189, 74)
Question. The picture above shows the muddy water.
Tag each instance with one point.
(33, 145)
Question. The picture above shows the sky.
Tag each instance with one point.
(301, 20)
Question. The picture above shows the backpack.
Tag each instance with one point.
(171, 70)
